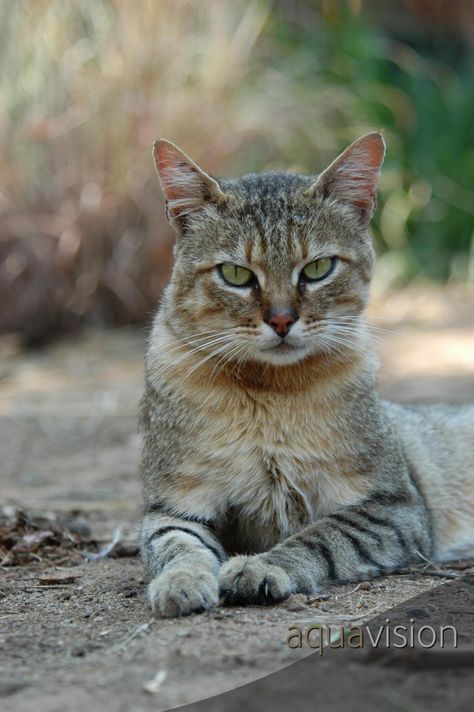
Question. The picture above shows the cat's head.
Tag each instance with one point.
(270, 267)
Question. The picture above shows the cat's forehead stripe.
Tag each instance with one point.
(274, 228)
(249, 251)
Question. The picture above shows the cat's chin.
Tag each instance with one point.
(282, 355)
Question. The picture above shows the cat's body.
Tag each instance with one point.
(280, 454)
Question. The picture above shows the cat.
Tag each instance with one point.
(270, 463)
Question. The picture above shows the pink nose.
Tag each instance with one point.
(281, 323)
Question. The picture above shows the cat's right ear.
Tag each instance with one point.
(353, 177)
(185, 186)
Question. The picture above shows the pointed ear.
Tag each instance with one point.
(353, 177)
(185, 186)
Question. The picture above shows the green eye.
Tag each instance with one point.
(318, 269)
(236, 275)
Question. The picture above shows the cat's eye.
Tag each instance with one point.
(236, 275)
(319, 269)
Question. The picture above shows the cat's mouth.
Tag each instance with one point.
(283, 347)
(282, 353)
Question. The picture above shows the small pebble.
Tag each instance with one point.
(185, 633)
(297, 602)
(64, 596)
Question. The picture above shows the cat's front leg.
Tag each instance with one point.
(182, 559)
(354, 544)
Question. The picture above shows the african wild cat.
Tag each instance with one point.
(270, 463)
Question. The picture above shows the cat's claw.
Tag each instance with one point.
(179, 592)
(250, 579)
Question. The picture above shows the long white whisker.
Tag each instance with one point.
(369, 327)
(333, 348)
(333, 339)
(364, 317)
(246, 351)
(239, 357)
(339, 338)
(177, 339)
(350, 320)
(345, 331)
(201, 347)
(190, 341)
(223, 360)
(204, 360)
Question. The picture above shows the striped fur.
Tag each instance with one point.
(268, 471)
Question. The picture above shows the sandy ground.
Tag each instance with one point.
(76, 633)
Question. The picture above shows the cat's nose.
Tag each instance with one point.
(281, 323)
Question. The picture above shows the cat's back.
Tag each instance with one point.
(438, 441)
(444, 432)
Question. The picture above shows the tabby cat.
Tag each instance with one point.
(270, 463)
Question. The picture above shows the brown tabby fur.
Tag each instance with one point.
(270, 464)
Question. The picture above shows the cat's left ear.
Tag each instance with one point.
(353, 177)
(186, 187)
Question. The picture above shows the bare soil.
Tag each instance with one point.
(75, 628)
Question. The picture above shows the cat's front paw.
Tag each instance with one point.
(179, 592)
(250, 579)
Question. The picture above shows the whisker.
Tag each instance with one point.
(197, 333)
(332, 339)
(349, 319)
(200, 347)
(355, 321)
(348, 330)
(191, 341)
(222, 360)
(362, 316)
(245, 352)
(204, 360)
(333, 348)
(369, 327)
(344, 331)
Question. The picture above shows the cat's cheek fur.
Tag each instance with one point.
(251, 579)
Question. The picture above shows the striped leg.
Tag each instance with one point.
(357, 543)
(182, 559)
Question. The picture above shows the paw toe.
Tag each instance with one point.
(251, 580)
(180, 593)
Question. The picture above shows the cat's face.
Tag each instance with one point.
(272, 267)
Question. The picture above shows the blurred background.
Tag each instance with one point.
(85, 250)
(241, 86)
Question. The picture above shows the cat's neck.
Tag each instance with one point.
(314, 371)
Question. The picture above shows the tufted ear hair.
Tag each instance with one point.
(185, 186)
(353, 177)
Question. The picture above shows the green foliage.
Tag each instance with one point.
(423, 101)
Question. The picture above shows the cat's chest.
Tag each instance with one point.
(278, 462)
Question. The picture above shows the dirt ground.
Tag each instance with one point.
(75, 628)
